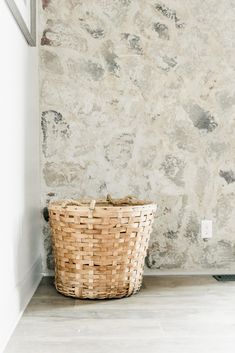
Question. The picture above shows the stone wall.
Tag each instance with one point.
(137, 97)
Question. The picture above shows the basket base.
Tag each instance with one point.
(79, 294)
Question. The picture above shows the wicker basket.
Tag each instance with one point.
(100, 247)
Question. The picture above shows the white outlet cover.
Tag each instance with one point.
(206, 229)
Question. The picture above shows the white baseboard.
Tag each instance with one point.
(16, 301)
(177, 272)
(48, 273)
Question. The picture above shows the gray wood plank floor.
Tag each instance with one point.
(169, 315)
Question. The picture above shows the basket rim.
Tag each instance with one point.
(100, 204)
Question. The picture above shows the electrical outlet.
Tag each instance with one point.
(206, 229)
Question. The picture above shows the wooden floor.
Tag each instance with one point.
(169, 315)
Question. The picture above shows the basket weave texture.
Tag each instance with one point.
(99, 248)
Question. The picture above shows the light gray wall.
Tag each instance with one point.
(20, 250)
(137, 97)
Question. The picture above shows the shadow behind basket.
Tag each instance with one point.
(99, 253)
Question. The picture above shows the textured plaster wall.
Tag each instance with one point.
(138, 97)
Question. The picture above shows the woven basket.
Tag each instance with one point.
(100, 247)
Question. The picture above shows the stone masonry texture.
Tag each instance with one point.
(138, 97)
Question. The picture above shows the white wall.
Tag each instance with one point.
(20, 246)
